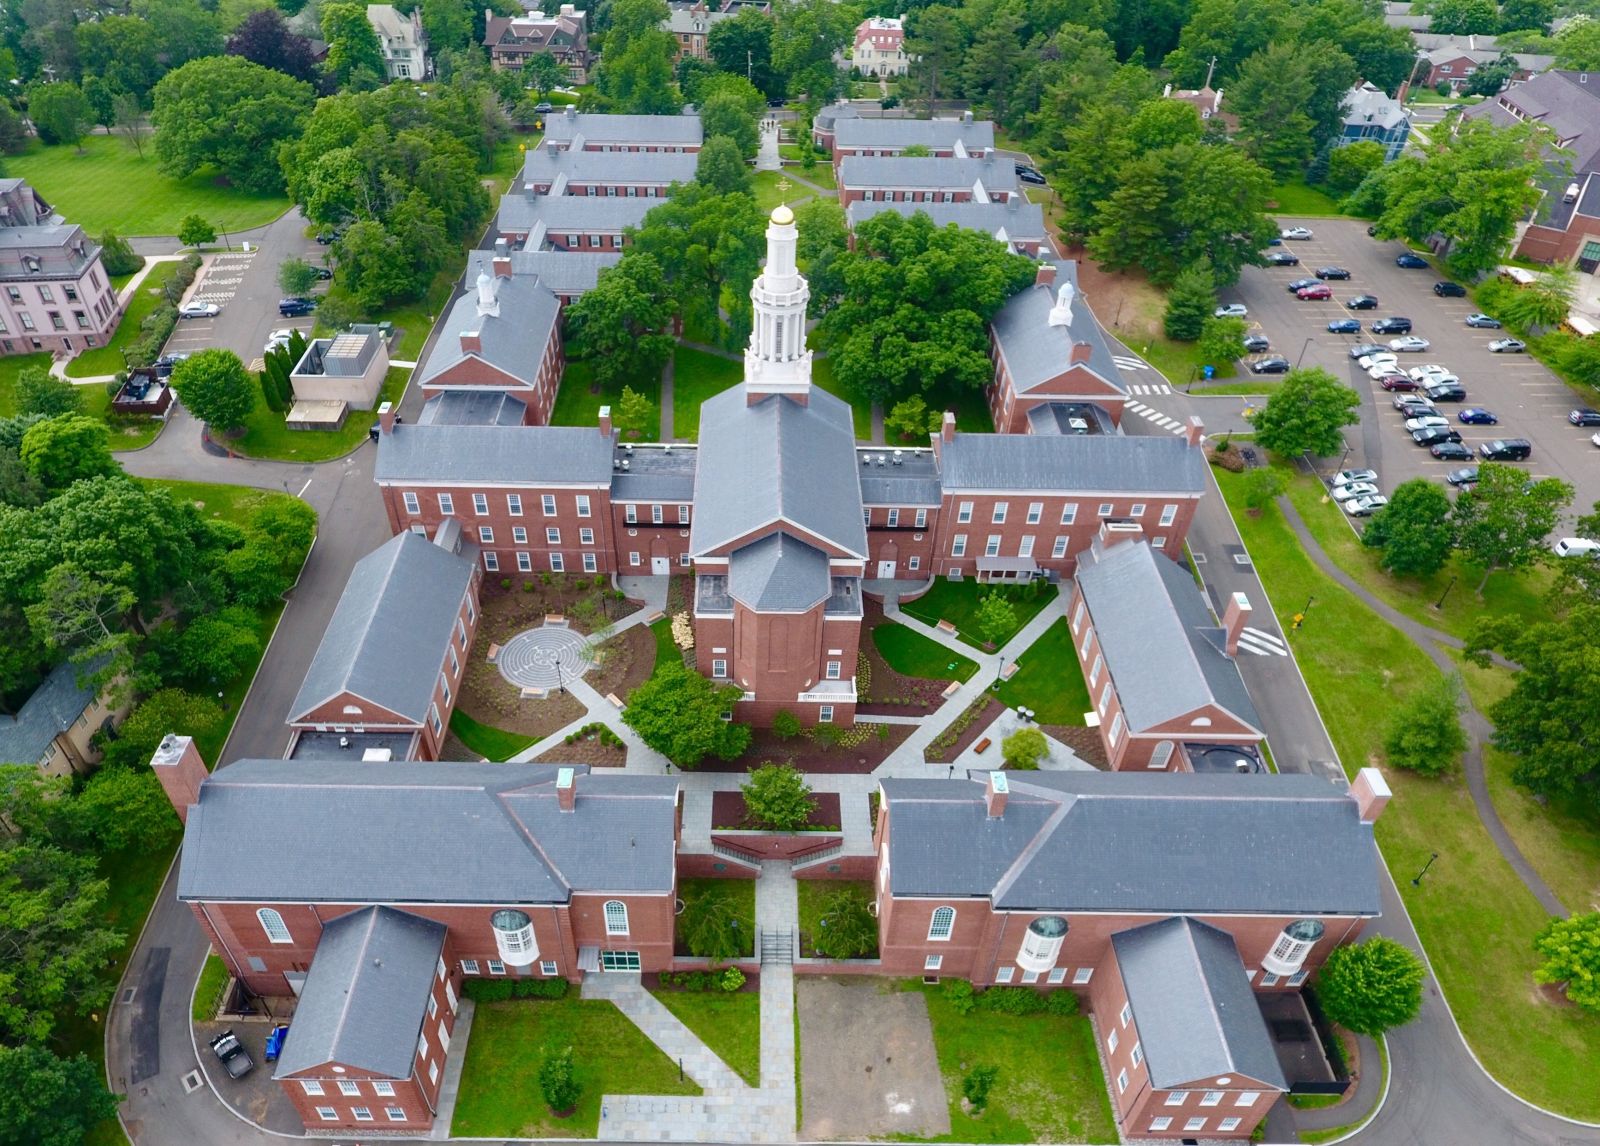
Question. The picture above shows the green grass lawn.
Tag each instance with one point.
(490, 743)
(860, 405)
(266, 436)
(11, 366)
(500, 1095)
(1260, 386)
(109, 187)
(957, 602)
(769, 194)
(1182, 362)
(727, 1022)
(578, 402)
(741, 893)
(697, 376)
(667, 650)
(970, 407)
(910, 653)
(208, 992)
(1474, 915)
(1295, 197)
(1048, 679)
(813, 895)
(108, 359)
(1049, 1086)
(821, 174)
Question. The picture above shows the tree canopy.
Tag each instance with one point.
(709, 247)
(61, 450)
(1307, 412)
(1371, 987)
(50, 1101)
(216, 388)
(230, 113)
(1413, 532)
(1570, 949)
(777, 798)
(679, 713)
(1503, 520)
(623, 327)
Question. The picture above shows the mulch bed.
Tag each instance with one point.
(587, 750)
(752, 980)
(1085, 742)
(992, 708)
(888, 693)
(627, 660)
(728, 812)
(809, 756)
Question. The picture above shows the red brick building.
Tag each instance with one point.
(594, 131)
(1051, 360)
(841, 132)
(925, 179)
(605, 174)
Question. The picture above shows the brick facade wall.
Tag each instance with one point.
(499, 518)
(539, 392)
(84, 307)
(1548, 245)
(602, 189)
(849, 195)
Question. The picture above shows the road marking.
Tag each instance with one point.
(1127, 362)
(305, 487)
(1262, 644)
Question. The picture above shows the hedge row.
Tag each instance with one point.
(499, 990)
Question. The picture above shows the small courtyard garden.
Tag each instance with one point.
(835, 919)
(962, 604)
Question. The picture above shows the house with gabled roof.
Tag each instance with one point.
(55, 727)
(597, 131)
(513, 40)
(569, 222)
(960, 138)
(1017, 223)
(605, 174)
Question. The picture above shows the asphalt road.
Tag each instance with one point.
(1528, 399)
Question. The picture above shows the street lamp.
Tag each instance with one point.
(1417, 881)
(559, 686)
(1439, 604)
(1302, 355)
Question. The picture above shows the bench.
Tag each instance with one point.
(494, 654)
(654, 617)
(951, 689)
(555, 620)
(1009, 671)
(981, 745)
(612, 697)
(946, 627)
(535, 693)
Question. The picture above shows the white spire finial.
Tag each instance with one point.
(1061, 313)
(488, 303)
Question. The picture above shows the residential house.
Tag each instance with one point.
(931, 179)
(1165, 690)
(571, 129)
(55, 727)
(963, 138)
(600, 174)
(56, 294)
(402, 39)
(512, 40)
(1370, 116)
(1017, 223)
(1452, 59)
(880, 47)
(1207, 103)
(690, 22)
(390, 662)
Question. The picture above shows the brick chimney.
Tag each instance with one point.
(1114, 533)
(500, 265)
(947, 428)
(1080, 352)
(178, 765)
(996, 788)
(471, 342)
(566, 789)
(1371, 794)
(1194, 431)
(386, 417)
(605, 421)
(1045, 276)
(1234, 621)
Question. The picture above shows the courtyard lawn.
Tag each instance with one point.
(740, 892)
(1049, 1086)
(910, 653)
(1474, 916)
(970, 406)
(108, 359)
(813, 894)
(1048, 680)
(109, 187)
(1296, 197)
(860, 405)
(266, 435)
(667, 650)
(821, 174)
(727, 1022)
(957, 602)
(500, 1095)
(578, 401)
(491, 743)
(697, 376)
(769, 193)
(208, 992)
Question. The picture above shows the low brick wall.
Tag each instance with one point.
(858, 868)
(775, 845)
(712, 867)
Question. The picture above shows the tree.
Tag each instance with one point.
(996, 618)
(128, 118)
(805, 37)
(211, 649)
(449, 28)
(1221, 341)
(1371, 987)
(1501, 522)
(785, 724)
(1413, 532)
(216, 388)
(37, 392)
(1024, 748)
(623, 326)
(124, 808)
(679, 713)
(778, 798)
(194, 231)
(1570, 949)
(821, 239)
(1427, 737)
(60, 451)
(1578, 46)
(276, 366)
(169, 710)
(116, 254)
(50, 1101)
(1229, 31)
(846, 928)
(1491, 78)
(722, 169)
(733, 107)
(296, 276)
(265, 38)
(355, 58)
(1306, 414)
(59, 112)
(1464, 17)
(1261, 487)
(84, 615)
(911, 419)
(635, 71)
(227, 111)
(743, 44)
(1545, 302)
(558, 1082)
(13, 133)
(636, 414)
(710, 926)
(1190, 302)
(1350, 164)
(709, 249)
(936, 40)
(976, 1086)
(1271, 98)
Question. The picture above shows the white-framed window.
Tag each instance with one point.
(991, 545)
(1057, 975)
(616, 917)
(1082, 975)
(633, 558)
(422, 1046)
(825, 714)
(683, 515)
(524, 561)
(447, 503)
(1125, 1016)
(327, 1114)
(1105, 698)
(433, 1006)
(1228, 1124)
(1136, 509)
(547, 967)
(585, 536)
(1176, 1097)
(999, 516)
(394, 1113)
(413, 504)
(963, 513)
(1195, 1124)
(433, 1071)
(486, 535)
(1298, 977)
(914, 564)
(469, 966)
(349, 1086)
(921, 521)
(547, 504)
(894, 518)
(1137, 1053)
(519, 535)
(1105, 509)
(1035, 512)
(630, 514)
(1025, 549)
(1117, 724)
(831, 672)
(1169, 514)
(272, 923)
(590, 565)
(433, 719)
(958, 545)
(444, 686)
(496, 967)
(1069, 513)
(1122, 1081)
(719, 668)
(444, 1035)
(1246, 1098)
(943, 923)
(1113, 1040)
(1268, 979)
(480, 504)
(683, 560)
(1211, 1098)
(310, 1087)
(932, 962)
(583, 505)
(1160, 1123)
(557, 565)
(490, 561)
(1158, 543)
(552, 535)
(383, 1089)
(1094, 669)
(514, 504)
(655, 515)
(1003, 974)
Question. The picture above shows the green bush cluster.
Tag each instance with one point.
(597, 730)
(949, 736)
(499, 990)
(157, 325)
(964, 999)
(727, 979)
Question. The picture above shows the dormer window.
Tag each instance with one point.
(30, 263)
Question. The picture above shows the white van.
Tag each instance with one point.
(1577, 547)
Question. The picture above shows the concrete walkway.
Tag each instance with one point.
(58, 366)
(669, 429)
(450, 1088)
(664, 1029)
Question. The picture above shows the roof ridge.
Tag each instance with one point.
(1212, 1007)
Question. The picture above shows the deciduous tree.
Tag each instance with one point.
(722, 169)
(1545, 302)
(1464, 17)
(1502, 521)
(1221, 341)
(1261, 487)
(1349, 165)
(636, 414)
(545, 73)
(85, 616)
(216, 388)
(996, 618)
(1024, 748)
(1570, 949)
(847, 929)
(623, 326)
(46, 1100)
(37, 392)
(1413, 532)
(732, 106)
(911, 420)
(709, 248)
(227, 111)
(296, 276)
(710, 926)
(777, 798)
(60, 451)
(1190, 302)
(1426, 736)
(355, 58)
(116, 255)
(59, 112)
(194, 231)
(1578, 46)
(679, 713)
(1371, 987)
(1306, 413)
(169, 710)
(558, 1082)
(744, 44)
(265, 38)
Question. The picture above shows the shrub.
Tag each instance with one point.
(1012, 1001)
(557, 1083)
(505, 583)
(700, 980)
(778, 798)
(1061, 1003)
(785, 724)
(488, 990)
(827, 735)
(1372, 986)
(527, 586)
(540, 988)
(1024, 748)
(976, 1086)
(959, 994)
(731, 979)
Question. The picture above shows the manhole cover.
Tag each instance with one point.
(191, 1082)
(127, 996)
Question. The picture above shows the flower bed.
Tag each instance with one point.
(728, 813)
(965, 729)
(865, 747)
(593, 744)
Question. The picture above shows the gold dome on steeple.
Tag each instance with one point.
(782, 215)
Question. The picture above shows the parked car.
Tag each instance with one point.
(1394, 324)
(1030, 175)
(1256, 343)
(1314, 293)
(1449, 290)
(231, 1053)
(1377, 365)
(1362, 349)
(1584, 416)
(1363, 302)
(1401, 401)
(1433, 435)
(1426, 422)
(1411, 261)
(1431, 372)
(1450, 452)
(1445, 392)
(1507, 346)
(1365, 506)
(1396, 383)
(1596, 439)
(1465, 476)
(295, 307)
(1345, 477)
(1345, 326)
(1332, 273)
(1506, 450)
(1410, 344)
(1283, 259)
(1480, 319)
(1299, 285)
(326, 237)
(1275, 241)
(199, 310)
(322, 273)
(165, 365)
(1298, 233)
(1416, 411)
(1273, 364)
(1576, 547)
(1231, 310)
(1477, 416)
(1353, 489)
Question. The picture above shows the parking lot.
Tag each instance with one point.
(1529, 401)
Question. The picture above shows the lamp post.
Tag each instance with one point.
(1417, 880)
(1344, 455)
(1439, 604)
(1299, 358)
(561, 688)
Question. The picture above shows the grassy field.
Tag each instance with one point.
(970, 407)
(697, 376)
(860, 406)
(208, 992)
(727, 1022)
(769, 194)
(108, 359)
(266, 436)
(109, 187)
(11, 366)
(500, 1095)
(1049, 1087)
(1295, 197)
(1474, 916)
(490, 743)
(957, 602)
(1048, 679)
(821, 174)
(910, 653)
(578, 404)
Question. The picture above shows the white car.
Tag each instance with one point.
(1365, 506)
(1347, 477)
(1411, 343)
(1354, 489)
(1508, 346)
(1384, 359)
(1596, 439)
(199, 310)
(1429, 373)
(1297, 233)
(1425, 422)
(1576, 547)
(1231, 310)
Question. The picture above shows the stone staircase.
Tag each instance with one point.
(776, 945)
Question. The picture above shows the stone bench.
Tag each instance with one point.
(982, 745)
(950, 690)
(654, 617)
(494, 654)
(535, 693)
(946, 627)
(1009, 671)
(612, 697)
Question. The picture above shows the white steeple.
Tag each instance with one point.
(488, 301)
(777, 361)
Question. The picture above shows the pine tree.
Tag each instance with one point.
(1190, 302)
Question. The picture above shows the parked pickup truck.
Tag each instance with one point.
(232, 1054)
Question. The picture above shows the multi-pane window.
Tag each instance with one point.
(1195, 1124)
(943, 923)
(514, 504)
(383, 1089)
(552, 535)
(1069, 513)
(964, 513)
(1176, 1097)
(486, 534)
(991, 545)
(1003, 974)
(719, 668)
(311, 1087)
(1035, 512)
(915, 563)
(496, 967)
(557, 563)
(1137, 1053)
(1122, 1081)
(394, 1113)
(469, 966)
(958, 545)
(1105, 509)
(272, 923)
(585, 536)
(519, 535)
(999, 517)
(922, 519)
(480, 504)
(655, 515)
(1117, 725)
(1160, 1123)
(1228, 1124)
(1113, 1040)
(683, 515)
(413, 505)
(490, 561)
(1059, 549)
(616, 917)
(630, 514)
(832, 670)
(1025, 548)
(1125, 1016)
(825, 714)
(447, 503)
(1094, 669)
(589, 563)
(547, 967)
(327, 1114)
(1211, 1098)
(1169, 514)
(583, 505)
(547, 504)
(349, 1086)
(1246, 1098)
(933, 962)
(1057, 975)
(1136, 509)
(894, 518)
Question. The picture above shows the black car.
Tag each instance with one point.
(1276, 364)
(1466, 475)
(230, 1051)
(1412, 407)
(1256, 343)
(295, 307)
(1373, 230)
(1283, 259)
(1332, 273)
(1584, 416)
(1448, 392)
(1300, 285)
(1433, 435)
(1362, 349)
(322, 273)
(1030, 175)
(1450, 452)
(326, 237)
(1344, 326)
(1363, 302)
(1392, 325)
(1449, 290)
(1411, 261)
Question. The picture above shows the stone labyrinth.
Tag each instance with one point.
(529, 659)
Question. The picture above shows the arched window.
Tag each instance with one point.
(272, 923)
(616, 917)
(943, 923)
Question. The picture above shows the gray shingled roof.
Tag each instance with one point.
(1570, 109)
(1016, 218)
(388, 633)
(976, 137)
(485, 407)
(571, 214)
(1162, 648)
(1035, 351)
(425, 832)
(682, 130)
(565, 272)
(513, 340)
(925, 172)
(1195, 1011)
(366, 995)
(622, 167)
(1085, 463)
(778, 574)
(55, 704)
(518, 455)
(1228, 842)
(1367, 104)
(777, 461)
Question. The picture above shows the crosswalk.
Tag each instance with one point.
(1261, 644)
(1155, 416)
(1128, 362)
(222, 278)
(1154, 389)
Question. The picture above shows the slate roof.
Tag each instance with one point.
(778, 574)
(925, 172)
(366, 995)
(637, 167)
(1570, 109)
(1365, 104)
(565, 272)
(1037, 351)
(680, 130)
(1160, 644)
(777, 461)
(1016, 218)
(485, 407)
(571, 214)
(388, 633)
(425, 832)
(51, 710)
(1196, 1013)
(1215, 843)
(513, 341)
(934, 134)
(1083, 463)
(514, 455)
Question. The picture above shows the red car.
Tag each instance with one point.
(1397, 382)
(1311, 293)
